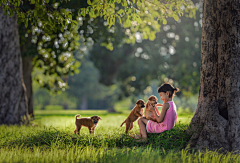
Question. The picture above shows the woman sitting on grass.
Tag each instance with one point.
(166, 120)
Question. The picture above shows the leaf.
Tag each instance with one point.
(105, 17)
(138, 19)
(175, 17)
(83, 13)
(108, 21)
(160, 21)
(62, 29)
(152, 36)
(120, 11)
(35, 13)
(128, 22)
(26, 23)
(11, 13)
(74, 22)
(120, 20)
(164, 21)
(89, 2)
(63, 10)
(32, 2)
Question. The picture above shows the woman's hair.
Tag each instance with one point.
(166, 87)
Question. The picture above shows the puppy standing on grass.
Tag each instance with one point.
(152, 100)
(136, 112)
(91, 123)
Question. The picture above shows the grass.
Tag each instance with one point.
(51, 139)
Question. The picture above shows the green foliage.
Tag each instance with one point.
(144, 16)
(51, 48)
(43, 98)
(86, 86)
(39, 11)
(50, 19)
(174, 56)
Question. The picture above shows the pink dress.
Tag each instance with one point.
(168, 123)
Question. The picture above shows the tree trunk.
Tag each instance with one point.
(13, 101)
(84, 103)
(216, 123)
(27, 76)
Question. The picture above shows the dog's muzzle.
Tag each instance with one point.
(95, 122)
(143, 106)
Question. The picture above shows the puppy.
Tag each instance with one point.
(136, 112)
(91, 123)
(152, 100)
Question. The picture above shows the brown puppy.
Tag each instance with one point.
(91, 123)
(152, 100)
(136, 112)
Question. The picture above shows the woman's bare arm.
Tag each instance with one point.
(159, 105)
(163, 112)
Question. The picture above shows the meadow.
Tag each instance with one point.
(50, 138)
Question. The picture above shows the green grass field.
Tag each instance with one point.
(50, 138)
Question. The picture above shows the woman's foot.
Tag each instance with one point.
(138, 138)
(135, 136)
(141, 140)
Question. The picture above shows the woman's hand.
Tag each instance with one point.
(151, 108)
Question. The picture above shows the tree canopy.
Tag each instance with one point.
(144, 16)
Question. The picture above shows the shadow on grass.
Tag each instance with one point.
(173, 139)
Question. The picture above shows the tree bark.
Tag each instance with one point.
(84, 103)
(27, 76)
(216, 123)
(13, 101)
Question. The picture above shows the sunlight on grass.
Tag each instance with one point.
(68, 112)
(108, 122)
(51, 139)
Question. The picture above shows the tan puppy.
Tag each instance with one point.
(136, 112)
(152, 100)
(91, 123)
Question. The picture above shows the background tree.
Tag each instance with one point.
(45, 47)
(13, 101)
(85, 84)
(174, 56)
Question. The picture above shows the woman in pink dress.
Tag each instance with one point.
(164, 121)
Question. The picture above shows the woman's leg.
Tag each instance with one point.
(142, 122)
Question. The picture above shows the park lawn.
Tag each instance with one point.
(50, 138)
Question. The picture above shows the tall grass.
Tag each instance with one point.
(93, 154)
(51, 139)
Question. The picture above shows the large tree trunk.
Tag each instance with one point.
(27, 76)
(13, 101)
(216, 123)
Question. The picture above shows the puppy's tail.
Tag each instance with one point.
(78, 115)
(123, 123)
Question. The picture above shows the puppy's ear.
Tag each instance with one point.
(99, 118)
(138, 102)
